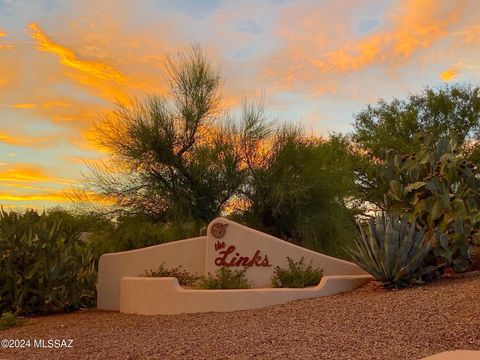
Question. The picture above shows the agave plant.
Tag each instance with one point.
(392, 251)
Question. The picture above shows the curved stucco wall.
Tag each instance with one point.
(189, 253)
(165, 296)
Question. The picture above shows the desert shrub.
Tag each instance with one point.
(225, 278)
(183, 276)
(137, 231)
(298, 188)
(392, 250)
(8, 319)
(44, 267)
(297, 275)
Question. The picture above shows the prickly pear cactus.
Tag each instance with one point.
(441, 191)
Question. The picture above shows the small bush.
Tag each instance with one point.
(182, 275)
(226, 278)
(8, 319)
(298, 275)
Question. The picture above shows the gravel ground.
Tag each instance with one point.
(368, 323)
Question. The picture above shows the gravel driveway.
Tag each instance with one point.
(368, 323)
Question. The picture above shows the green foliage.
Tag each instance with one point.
(8, 320)
(225, 278)
(44, 266)
(130, 232)
(184, 277)
(300, 189)
(297, 275)
(439, 112)
(392, 251)
(440, 190)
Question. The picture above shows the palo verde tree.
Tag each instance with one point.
(171, 157)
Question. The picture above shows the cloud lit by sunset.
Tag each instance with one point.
(450, 74)
(65, 64)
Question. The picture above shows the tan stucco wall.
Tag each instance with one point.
(456, 355)
(113, 267)
(248, 240)
(153, 296)
(198, 255)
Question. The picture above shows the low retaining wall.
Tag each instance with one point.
(155, 296)
(189, 253)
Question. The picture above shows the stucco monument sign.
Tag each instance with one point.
(226, 244)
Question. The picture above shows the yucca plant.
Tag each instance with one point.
(392, 250)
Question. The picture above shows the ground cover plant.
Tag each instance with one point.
(9, 319)
(392, 250)
(226, 278)
(297, 275)
(184, 277)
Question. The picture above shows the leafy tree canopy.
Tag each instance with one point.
(401, 124)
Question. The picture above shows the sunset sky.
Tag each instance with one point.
(64, 63)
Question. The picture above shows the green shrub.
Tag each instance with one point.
(297, 275)
(392, 251)
(184, 277)
(136, 231)
(44, 267)
(8, 319)
(226, 278)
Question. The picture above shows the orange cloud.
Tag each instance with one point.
(46, 105)
(54, 196)
(67, 57)
(472, 34)
(97, 75)
(25, 106)
(450, 74)
(26, 141)
(4, 46)
(60, 196)
(30, 173)
(30, 197)
(316, 48)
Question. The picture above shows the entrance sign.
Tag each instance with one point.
(226, 244)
